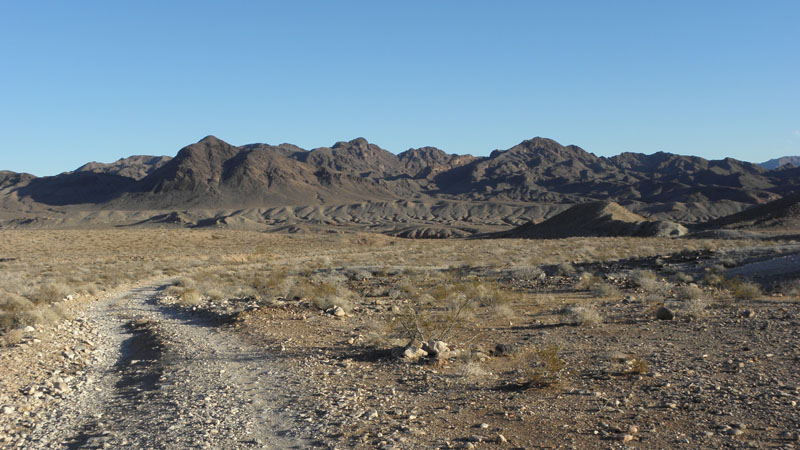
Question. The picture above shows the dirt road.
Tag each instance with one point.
(164, 379)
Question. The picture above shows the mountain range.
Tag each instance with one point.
(782, 161)
(360, 184)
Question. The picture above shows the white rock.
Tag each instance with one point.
(413, 353)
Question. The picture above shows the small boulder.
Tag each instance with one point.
(413, 353)
(336, 311)
(664, 313)
(505, 349)
(436, 348)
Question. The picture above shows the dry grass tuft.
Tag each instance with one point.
(583, 315)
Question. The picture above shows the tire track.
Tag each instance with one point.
(170, 380)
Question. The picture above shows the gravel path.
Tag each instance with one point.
(163, 379)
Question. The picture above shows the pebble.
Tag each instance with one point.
(624, 437)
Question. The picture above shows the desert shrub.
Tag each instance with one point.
(50, 293)
(637, 366)
(436, 315)
(651, 304)
(62, 311)
(173, 291)
(716, 268)
(689, 292)
(645, 279)
(564, 269)
(604, 290)
(586, 281)
(12, 337)
(359, 275)
(184, 283)
(683, 277)
(16, 310)
(487, 294)
(505, 311)
(323, 295)
(714, 279)
(330, 277)
(696, 307)
(273, 283)
(215, 294)
(727, 262)
(526, 273)
(743, 290)
(547, 367)
(90, 288)
(790, 288)
(190, 297)
(473, 371)
(582, 315)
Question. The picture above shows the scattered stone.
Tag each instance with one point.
(436, 348)
(787, 435)
(8, 410)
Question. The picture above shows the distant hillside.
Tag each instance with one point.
(782, 161)
(602, 218)
(539, 176)
(781, 213)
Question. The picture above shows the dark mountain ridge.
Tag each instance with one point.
(212, 174)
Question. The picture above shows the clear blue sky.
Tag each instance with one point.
(87, 80)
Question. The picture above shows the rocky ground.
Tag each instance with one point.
(136, 374)
(136, 370)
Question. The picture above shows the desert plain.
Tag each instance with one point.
(213, 338)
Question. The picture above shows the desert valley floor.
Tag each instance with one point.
(180, 338)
